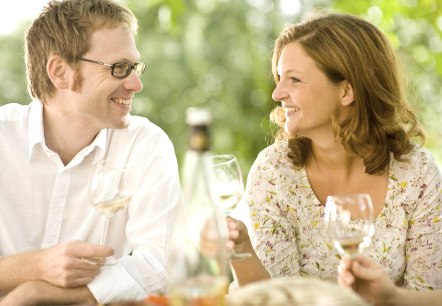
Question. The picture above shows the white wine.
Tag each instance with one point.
(226, 202)
(350, 245)
(111, 208)
(200, 291)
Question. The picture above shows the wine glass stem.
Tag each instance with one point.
(104, 231)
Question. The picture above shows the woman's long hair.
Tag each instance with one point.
(348, 48)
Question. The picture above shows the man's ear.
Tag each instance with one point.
(58, 71)
(347, 97)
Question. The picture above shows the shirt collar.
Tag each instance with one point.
(35, 129)
(100, 142)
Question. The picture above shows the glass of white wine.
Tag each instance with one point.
(110, 193)
(349, 222)
(227, 187)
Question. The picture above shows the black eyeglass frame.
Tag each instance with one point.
(138, 67)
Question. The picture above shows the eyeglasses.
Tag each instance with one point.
(121, 70)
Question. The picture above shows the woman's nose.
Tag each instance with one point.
(278, 93)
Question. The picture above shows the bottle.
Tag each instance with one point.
(197, 262)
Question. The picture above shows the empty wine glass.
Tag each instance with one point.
(227, 187)
(110, 193)
(349, 222)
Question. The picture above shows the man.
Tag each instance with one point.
(83, 70)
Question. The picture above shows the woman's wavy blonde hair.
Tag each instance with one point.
(64, 29)
(348, 48)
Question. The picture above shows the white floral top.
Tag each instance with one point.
(290, 239)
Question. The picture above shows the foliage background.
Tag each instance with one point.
(217, 53)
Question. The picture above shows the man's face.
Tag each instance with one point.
(104, 101)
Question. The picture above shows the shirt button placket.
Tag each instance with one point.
(56, 209)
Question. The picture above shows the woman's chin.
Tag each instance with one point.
(289, 129)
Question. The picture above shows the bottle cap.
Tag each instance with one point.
(198, 116)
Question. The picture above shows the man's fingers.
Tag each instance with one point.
(82, 281)
(83, 249)
(72, 264)
(78, 277)
(90, 263)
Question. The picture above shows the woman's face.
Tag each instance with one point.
(307, 96)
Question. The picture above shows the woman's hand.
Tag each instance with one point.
(238, 240)
(246, 270)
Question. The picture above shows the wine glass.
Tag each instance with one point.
(110, 193)
(349, 222)
(227, 187)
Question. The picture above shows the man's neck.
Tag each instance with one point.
(65, 135)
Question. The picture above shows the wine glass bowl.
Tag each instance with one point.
(349, 222)
(227, 187)
(110, 192)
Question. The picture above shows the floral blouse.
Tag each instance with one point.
(288, 233)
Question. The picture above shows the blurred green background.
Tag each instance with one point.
(217, 53)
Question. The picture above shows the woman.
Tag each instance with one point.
(345, 127)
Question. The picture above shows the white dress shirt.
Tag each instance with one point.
(43, 202)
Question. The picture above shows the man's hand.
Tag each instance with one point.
(65, 265)
(43, 293)
(69, 264)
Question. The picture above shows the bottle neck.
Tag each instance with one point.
(199, 138)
